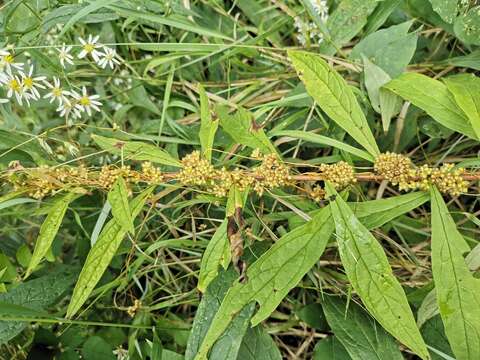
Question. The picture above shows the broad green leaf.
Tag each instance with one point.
(101, 255)
(467, 26)
(447, 9)
(118, 200)
(138, 96)
(229, 344)
(136, 150)
(466, 91)
(35, 294)
(217, 253)
(370, 274)
(433, 97)
(96, 348)
(324, 140)
(49, 230)
(294, 254)
(458, 292)
(471, 60)
(330, 348)
(434, 334)
(396, 51)
(361, 335)
(208, 126)
(334, 96)
(242, 128)
(346, 21)
(258, 345)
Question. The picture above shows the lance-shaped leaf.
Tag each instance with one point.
(49, 230)
(334, 96)
(243, 129)
(208, 126)
(466, 91)
(433, 97)
(217, 253)
(458, 292)
(101, 255)
(370, 274)
(361, 335)
(118, 199)
(136, 150)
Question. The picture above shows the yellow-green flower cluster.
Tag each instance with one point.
(196, 170)
(270, 174)
(395, 168)
(225, 180)
(340, 175)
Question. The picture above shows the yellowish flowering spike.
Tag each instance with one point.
(340, 175)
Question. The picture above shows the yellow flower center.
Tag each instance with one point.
(8, 59)
(88, 48)
(14, 85)
(28, 82)
(85, 101)
(57, 92)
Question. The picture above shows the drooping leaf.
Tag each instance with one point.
(118, 199)
(229, 344)
(370, 274)
(101, 255)
(361, 335)
(433, 97)
(334, 96)
(242, 128)
(217, 253)
(208, 126)
(398, 47)
(258, 345)
(447, 9)
(466, 92)
(136, 150)
(294, 254)
(458, 292)
(35, 294)
(48, 231)
(330, 348)
(467, 26)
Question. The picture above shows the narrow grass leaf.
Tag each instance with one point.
(334, 96)
(361, 335)
(458, 292)
(370, 274)
(118, 200)
(136, 150)
(208, 126)
(101, 255)
(433, 97)
(48, 231)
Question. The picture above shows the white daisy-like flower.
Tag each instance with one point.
(7, 62)
(109, 57)
(32, 83)
(67, 109)
(15, 88)
(57, 92)
(85, 102)
(64, 55)
(90, 47)
(321, 8)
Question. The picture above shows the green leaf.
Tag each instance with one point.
(458, 292)
(324, 140)
(294, 254)
(433, 97)
(258, 345)
(434, 334)
(136, 150)
(242, 128)
(466, 91)
(330, 348)
(361, 335)
(447, 9)
(208, 126)
(36, 295)
(118, 200)
(396, 51)
(217, 253)
(96, 348)
(49, 230)
(380, 15)
(370, 274)
(334, 96)
(101, 255)
(229, 344)
(467, 26)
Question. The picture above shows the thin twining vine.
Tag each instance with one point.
(270, 173)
